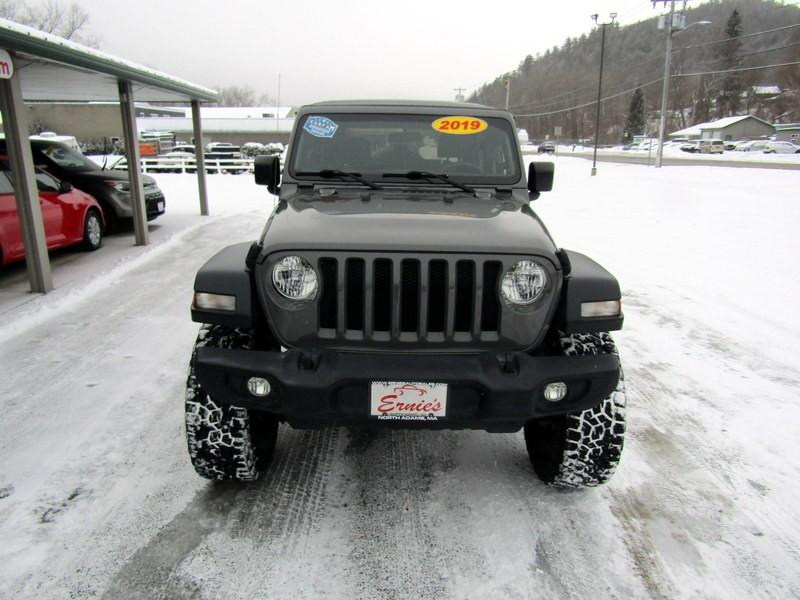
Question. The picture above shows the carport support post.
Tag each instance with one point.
(134, 167)
(200, 160)
(18, 146)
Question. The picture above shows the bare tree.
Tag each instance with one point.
(242, 95)
(68, 21)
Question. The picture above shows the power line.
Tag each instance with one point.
(738, 37)
(769, 50)
(757, 52)
(737, 70)
(653, 82)
(545, 102)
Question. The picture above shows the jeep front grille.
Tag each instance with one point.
(409, 299)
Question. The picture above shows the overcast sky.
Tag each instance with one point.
(327, 49)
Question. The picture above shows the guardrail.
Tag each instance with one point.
(177, 164)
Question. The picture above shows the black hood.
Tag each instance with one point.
(403, 221)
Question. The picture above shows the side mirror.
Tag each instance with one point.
(540, 178)
(268, 172)
(64, 187)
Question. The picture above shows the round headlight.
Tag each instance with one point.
(524, 282)
(294, 278)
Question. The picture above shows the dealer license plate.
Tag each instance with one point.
(408, 400)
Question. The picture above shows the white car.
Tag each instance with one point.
(781, 148)
(752, 146)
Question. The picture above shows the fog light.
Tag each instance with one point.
(555, 391)
(258, 386)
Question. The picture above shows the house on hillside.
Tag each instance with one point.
(743, 127)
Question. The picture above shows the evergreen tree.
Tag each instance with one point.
(634, 123)
(729, 56)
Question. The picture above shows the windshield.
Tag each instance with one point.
(478, 150)
(67, 158)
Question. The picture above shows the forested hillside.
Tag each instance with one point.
(559, 87)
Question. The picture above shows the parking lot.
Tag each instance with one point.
(98, 499)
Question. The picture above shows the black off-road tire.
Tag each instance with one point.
(225, 442)
(580, 449)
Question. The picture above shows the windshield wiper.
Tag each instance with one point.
(343, 175)
(428, 176)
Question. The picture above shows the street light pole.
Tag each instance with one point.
(662, 125)
(671, 32)
(599, 86)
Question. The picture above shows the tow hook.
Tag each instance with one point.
(508, 363)
(308, 361)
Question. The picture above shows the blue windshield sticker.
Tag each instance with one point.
(321, 127)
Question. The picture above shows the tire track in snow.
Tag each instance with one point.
(274, 515)
(394, 548)
(292, 490)
(149, 573)
(684, 513)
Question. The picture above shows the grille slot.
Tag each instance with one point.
(409, 296)
(433, 300)
(327, 299)
(465, 295)
(354, 298)
(437, 296)
(490, 301)
(382, 300)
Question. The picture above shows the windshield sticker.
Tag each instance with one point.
(321, 127)
(460, 125)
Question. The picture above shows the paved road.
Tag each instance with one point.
(97, 498)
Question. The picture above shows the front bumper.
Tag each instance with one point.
(491, 391)
(122, 203)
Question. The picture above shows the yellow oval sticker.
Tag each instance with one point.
(460, 125)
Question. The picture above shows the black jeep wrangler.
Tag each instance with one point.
(403, 280)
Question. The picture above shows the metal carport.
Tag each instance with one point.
(39, 66)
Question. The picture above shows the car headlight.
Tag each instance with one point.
(524, 282)
(120, 186)
(295, 278)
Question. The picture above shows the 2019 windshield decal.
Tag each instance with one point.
(460, 125)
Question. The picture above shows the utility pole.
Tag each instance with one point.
(459, 94)
(600, 84)
(662, 125)
(507, 83)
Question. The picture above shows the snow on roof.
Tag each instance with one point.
(766, 89)
(723, 122)
(694, 130)
(727, 121)
(57, 48)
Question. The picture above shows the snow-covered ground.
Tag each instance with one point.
(97, 497)
(674, 152)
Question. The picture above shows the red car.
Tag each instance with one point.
(70, 216)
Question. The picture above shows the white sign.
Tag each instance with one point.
(557, 130)
(6, 65)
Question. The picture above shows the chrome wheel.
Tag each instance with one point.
(92, 231)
